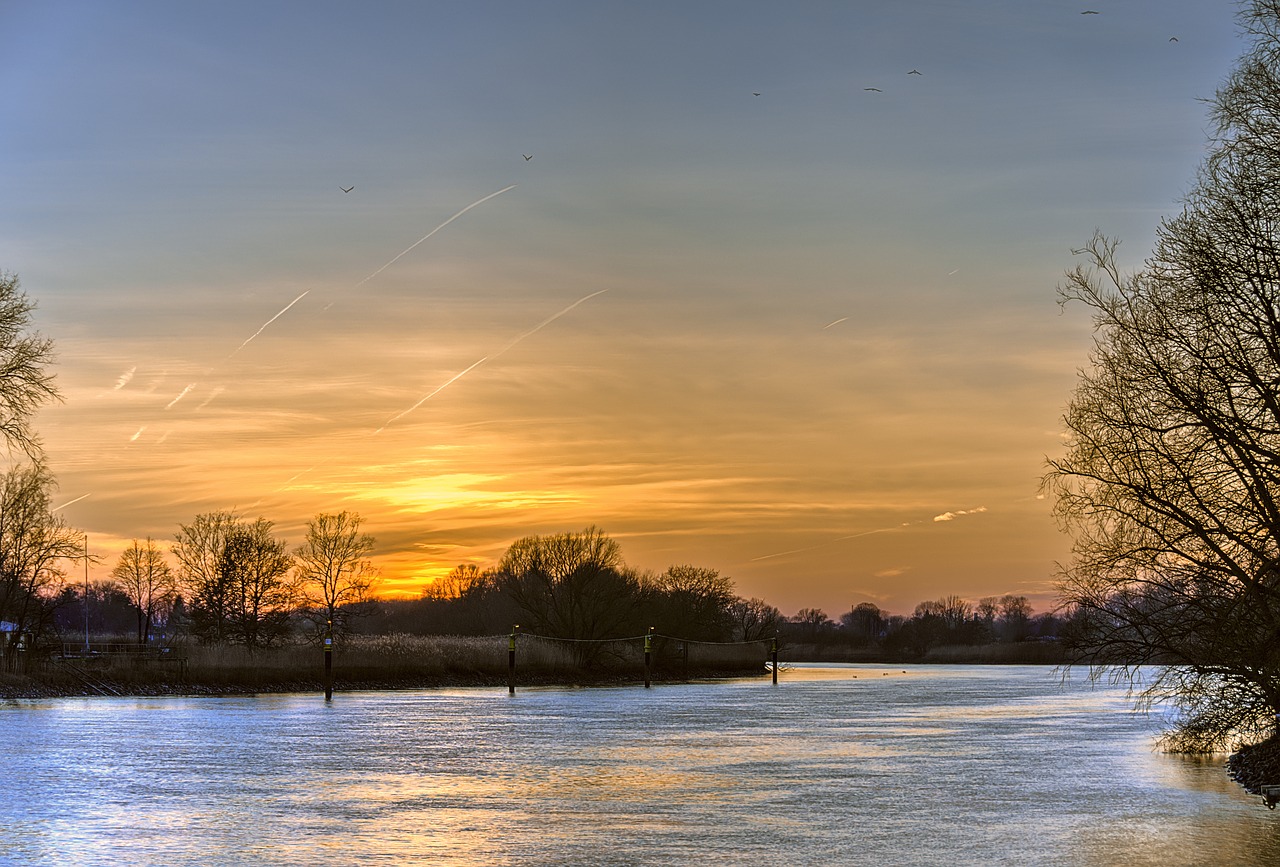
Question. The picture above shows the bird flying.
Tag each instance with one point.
(527, 157)
(754, 93)
(876, 89)
(915, 72)
(346, 189)
(1089, 12)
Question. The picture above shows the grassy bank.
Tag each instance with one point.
(1014, 653)
(373, 662)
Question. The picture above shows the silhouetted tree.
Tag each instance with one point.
(693, 602)
(574, 586)
(811, 626)
(34, 543)
(199, 548)
(256, 566)
(862, 624)
(457, 583)
(237, 575)
(25, 383)
(144, 576)
(1171, 479)
(335, 576)
(754, 619)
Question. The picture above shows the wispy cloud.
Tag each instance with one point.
(180, 396)
(124, 378)
(213, 394)
(951, 516)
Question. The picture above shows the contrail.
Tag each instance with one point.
(208, 400)
(432, 232)
(125, 377)
(544, 323)
(71, 502)
(837, 322)
(541, 325)
(455, 378)
(268, 322)
(945, 516)
(825, 544)
(183, 394)
(134, 438)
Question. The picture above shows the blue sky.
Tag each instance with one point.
(828, 313)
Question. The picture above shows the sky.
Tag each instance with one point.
(727, 280)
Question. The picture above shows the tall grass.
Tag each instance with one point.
(401, 660)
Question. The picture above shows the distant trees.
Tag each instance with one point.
(863, 623)
(334, 572)
(1170, 483)
(811, 626)
(460, 581)
(146, 579)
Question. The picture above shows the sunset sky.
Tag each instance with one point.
(816, 343)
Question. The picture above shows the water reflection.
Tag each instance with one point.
(835, 765)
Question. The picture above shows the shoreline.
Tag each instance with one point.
(20, 687)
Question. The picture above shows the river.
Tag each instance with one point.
(834, 765)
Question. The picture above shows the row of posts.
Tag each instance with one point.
(511, 660)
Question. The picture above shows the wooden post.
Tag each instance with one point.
(774, 654)
(648, 659)
(328, 668)
(511, 662)
(684, 653)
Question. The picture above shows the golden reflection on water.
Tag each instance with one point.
(953, 765)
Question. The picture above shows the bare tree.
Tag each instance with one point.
(573, 586)
(458, 583)
(693, 602)
(199, 547)
(34, 542)
(333, 570)
(25, 383)
(1171, 479)
(256, 566)
(237, 574)
(754, 619)
(146, 578)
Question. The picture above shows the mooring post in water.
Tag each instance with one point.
(648, 658)
(774, 653)
(511, 661)
(328, 663)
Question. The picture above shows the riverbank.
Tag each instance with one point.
(1256, 765)
(46, 687)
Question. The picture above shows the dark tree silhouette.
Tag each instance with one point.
(1171, 478)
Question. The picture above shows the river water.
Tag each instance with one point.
(834, 765)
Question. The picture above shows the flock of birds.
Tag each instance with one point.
(528, 157)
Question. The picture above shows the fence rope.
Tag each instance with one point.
(633, 638)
